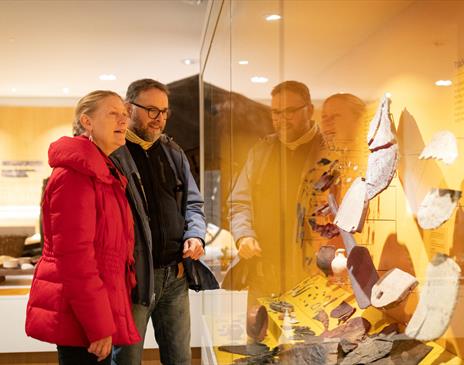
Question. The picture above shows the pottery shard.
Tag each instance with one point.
(324, 258)
(322, 317)
(392, 288)
(352, 212)
(354, 330)
(381, 129)
(437, 300)
(257, 322)
(405, 352)
(443, 146)
(369, 350)
(343, 312)
(381, 168)
(437, 207)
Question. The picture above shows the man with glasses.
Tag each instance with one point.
(265, 203)
(169, 219)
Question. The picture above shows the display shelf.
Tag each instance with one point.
(308, 298)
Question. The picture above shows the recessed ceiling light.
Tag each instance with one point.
(259, 79)
(107, 77)
(273, 17)
(66, 90)
(243, 62)
(189, 61)
(443, 83)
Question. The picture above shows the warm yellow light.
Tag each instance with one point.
(273, 17)
(443, 83)
(259, 79)
(243, 62)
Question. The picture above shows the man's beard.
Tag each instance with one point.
(144, 133)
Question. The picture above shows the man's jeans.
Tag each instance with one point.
(170, 314)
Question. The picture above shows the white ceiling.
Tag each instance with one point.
(48, 45)
(357, 46)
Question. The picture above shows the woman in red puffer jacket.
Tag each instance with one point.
(80, 294)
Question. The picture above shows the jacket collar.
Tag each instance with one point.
(80, 154)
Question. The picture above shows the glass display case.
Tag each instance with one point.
(332, 151)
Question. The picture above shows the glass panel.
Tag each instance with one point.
(384, 77)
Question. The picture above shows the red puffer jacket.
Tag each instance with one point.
(81, 287)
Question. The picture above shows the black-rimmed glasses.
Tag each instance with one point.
(287, 113)
(154, 112)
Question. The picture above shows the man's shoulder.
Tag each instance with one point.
(169, 142)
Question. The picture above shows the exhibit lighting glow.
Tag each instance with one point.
(66, 90)
(13, 89)
(259, 79)
(443, 83)
(388, 94)
(243, 62)
(273, 17)
(107, 77)
(188, 61)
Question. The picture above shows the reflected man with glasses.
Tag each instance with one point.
(264, 199)
(170, 222)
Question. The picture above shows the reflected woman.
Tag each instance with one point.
(342, 121)
(80, 294)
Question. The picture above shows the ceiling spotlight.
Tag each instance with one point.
(189, 61)
(273, 17)
(66, 90)
(243, 62)
(259, 79)
(107, 77)
(443, 83)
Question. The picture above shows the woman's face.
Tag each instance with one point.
(108, 124)
(338, 121)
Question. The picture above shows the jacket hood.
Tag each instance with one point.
(80, 154)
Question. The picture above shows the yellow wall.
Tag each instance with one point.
(25, 134)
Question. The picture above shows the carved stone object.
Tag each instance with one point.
(437, 300)
(381, 168)
(405, 352)
(443, 146)
(352, 212)
(369, 350)
(437, 207)
(318, 353)
(354, 330)
(392, 288)
(381, 129)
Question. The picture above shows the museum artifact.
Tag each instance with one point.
(392, 288)
(361, 269)
(437, 207)
(352, 211)
(437, 300)
(443, 146)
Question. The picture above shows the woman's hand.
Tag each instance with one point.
(101, 348)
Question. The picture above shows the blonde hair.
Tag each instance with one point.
(87, 105)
